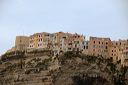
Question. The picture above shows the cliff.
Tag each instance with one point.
(71, 68)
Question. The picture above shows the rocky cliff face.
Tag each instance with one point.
(42, 68)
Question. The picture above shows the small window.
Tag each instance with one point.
(93, 49)
(116, 58)
(75, 45)
(86, 47)
(20, 41)
(99, 42)
(106, 47)
(94, 42)
(93, 46)
(116, 43)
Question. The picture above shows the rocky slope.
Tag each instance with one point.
(71, 68)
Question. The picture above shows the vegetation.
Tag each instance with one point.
(116, 75)
(71, 65)
(87, 80)
(44, 52)
(12, 55)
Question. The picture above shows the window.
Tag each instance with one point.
(112, 50)
(116, 43)
(102, 46)
(126, 48)
(69, 48)
(75, 45)
(106, 47)
(93, 49)
(99, 42)
(93, 46)
(112, 54)
(94, 42)
(20, 41)
(116, 58)
(106, 43)
(86, 47)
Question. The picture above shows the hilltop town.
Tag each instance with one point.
(61, 42)
(65, 59)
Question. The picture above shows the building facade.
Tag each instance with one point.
(21, 43)
(98, 46)
(58, 42)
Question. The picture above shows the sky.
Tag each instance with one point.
(100, 18)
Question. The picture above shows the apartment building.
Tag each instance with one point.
(124, 57)
(62, 42)
(117, 49)
(75, 43)
(58, 42)
(98, 46)
(114, 53)
(39, 40)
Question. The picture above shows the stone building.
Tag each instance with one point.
(21, 43)
(118, 49)
(124, 57)
(98, 46)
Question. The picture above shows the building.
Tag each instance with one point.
(21, 43)
(75, 43)
(98, 46)
(124, 57)
(117, 49)
(61, 42)
(114, 53)
(57, 42)
(39, 40)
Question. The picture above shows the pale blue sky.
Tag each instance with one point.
(102, 18)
